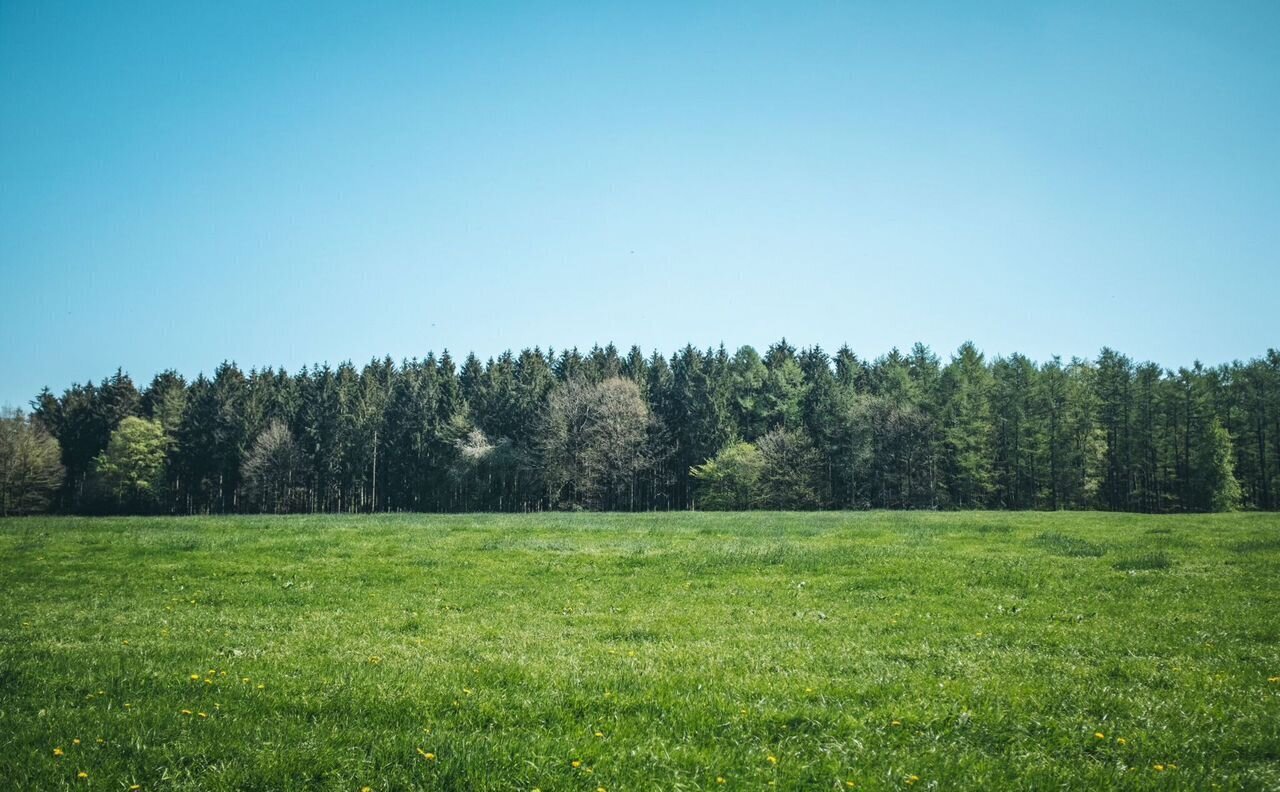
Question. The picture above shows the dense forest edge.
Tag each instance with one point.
(702, 429)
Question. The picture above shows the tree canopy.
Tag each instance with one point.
(701, 428)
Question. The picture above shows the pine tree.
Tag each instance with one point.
(967, 428)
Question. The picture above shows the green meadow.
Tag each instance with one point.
(687, 651)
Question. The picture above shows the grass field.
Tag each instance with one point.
(642, 652)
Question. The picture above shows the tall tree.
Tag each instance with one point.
(1114, 383)
(1213, 482)
(30, 464)
(967, 428)
(1014, 416)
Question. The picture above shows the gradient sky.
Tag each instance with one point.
(283, 184)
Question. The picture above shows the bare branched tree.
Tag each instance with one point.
(593, 443)
(30, 465)
(272, 471)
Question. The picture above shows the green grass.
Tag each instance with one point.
(971, 651)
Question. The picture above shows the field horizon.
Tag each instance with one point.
(681, 650)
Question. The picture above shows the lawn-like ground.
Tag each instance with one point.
(641, 652)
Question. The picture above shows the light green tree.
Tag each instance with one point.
(131, 468)
(731, 479)
(1214, 482)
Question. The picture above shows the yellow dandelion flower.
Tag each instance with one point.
(58, 752)
(850, 784)
(600, 789)
(599, 734)
(896, 723)
(1273, 679)
(911, 779)
(203, 714)
(195, 677)
(126, 643)
(366, 789)
(773, 760)
(1159, 768)
(576, 763)
(76, 741)
(262, 687)
(719, 779)
(1121, 741)
(82, 774)
(186, 712)
(245, 680)
(1099, 736)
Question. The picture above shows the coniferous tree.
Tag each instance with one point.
(1015, 469)
(1114, 389)
(782, 393)
(747, 374)
(820, 414)
(967, 428)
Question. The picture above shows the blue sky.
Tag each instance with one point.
(283, 184)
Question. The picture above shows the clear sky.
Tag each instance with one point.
(277, 184)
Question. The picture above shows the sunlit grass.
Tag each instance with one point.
(641, 652)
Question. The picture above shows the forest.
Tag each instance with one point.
(701, 429)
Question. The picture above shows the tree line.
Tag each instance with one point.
(789, 429)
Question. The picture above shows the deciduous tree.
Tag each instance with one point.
(30, 464)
